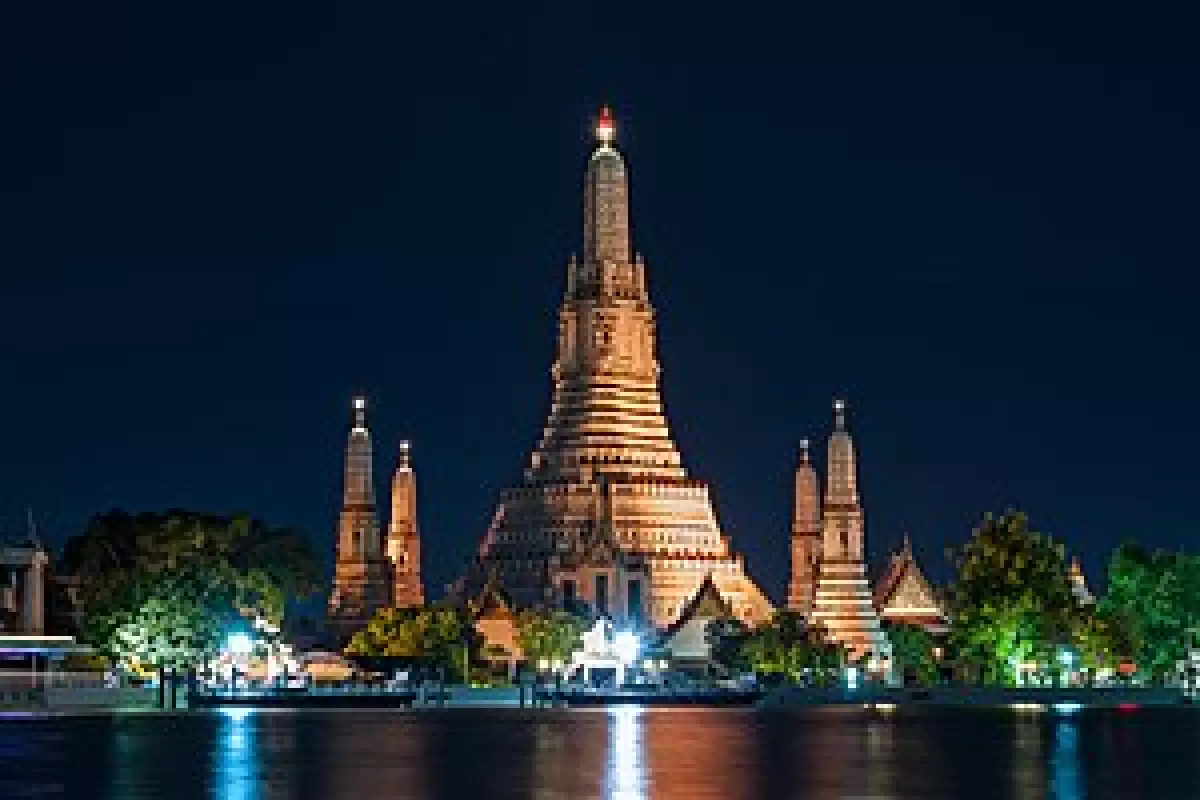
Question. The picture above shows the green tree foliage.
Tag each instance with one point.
(440, 636)
(162, 590)
(725, 639)
(912, 650)
(549, 634)
(1153, 599)
(1011, 603)
(784, 649)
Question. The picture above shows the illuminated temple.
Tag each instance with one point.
(607, 516)
(829, 585)
(371, 570)
(607, 520)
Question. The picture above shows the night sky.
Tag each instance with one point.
(219, 223)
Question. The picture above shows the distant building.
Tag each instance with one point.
(25, 575)
(34, 599)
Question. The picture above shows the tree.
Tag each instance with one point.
(549, 635)
(725, 638)
(1011, 600)
(1153, 601)
(786, 648)
(912, 649)
(164, 590)
(439, 636)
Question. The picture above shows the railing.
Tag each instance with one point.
(284, 691)
(16, 679)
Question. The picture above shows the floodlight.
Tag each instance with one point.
(240, 644)
(626, 646)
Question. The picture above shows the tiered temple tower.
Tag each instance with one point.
(843, 601)
(360, 579)
(806, 535)
(607, 514)
(403, 541)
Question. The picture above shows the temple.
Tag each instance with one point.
(806, 535)
(607, 516)
(403, 542)
(361, 575)
(905, 596)
(843, 603)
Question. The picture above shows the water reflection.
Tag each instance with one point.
(623, 754)
(1029, 755)
(237, 769)
(701, 754)
(1066, 768)
(626, 778)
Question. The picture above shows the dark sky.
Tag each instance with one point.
(218, 222)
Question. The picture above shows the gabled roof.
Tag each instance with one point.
(492, 602)
(903, 569)
(707, 602)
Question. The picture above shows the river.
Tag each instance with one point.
(622, 753)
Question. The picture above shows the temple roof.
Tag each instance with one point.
(903, 571)
(492, 602)
(706, 602)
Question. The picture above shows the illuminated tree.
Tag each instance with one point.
(786, 648)
(549, 634)
(440, 636)
(164, 590)
(912, 649)
(1153, 599)
(725, 638)
(1011, 601)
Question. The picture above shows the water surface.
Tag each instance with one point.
(627, 754)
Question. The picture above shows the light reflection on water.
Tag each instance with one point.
(236, 770)
(1066, 767)
(626, 773)
(620, 754)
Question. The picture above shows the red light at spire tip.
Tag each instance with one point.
(606, 129)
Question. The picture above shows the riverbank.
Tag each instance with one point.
(975, 697)
(461, 697)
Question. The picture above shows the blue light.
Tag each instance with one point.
(236, 713)
(1068, 708)
(238, 772)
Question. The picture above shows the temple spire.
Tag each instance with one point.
(806, 534)
(359, 490)
(403, 539)
(841, 486)
(843, 602)
(360, 573)
(606, 201)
